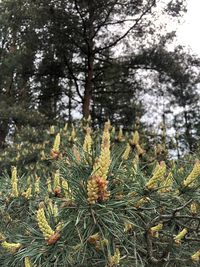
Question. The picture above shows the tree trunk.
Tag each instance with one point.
(187, 130)
(88, 87)
(3, 133)
(70, 102)
(90, 64)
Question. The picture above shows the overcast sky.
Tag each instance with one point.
(189, 32)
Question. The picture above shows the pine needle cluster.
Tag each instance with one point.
(99, 202)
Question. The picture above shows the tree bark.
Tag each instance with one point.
(187, 130)
(3, 133)
(90, 64)
(70, 102)
(88, 87)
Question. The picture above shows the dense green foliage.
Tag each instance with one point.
(51, 218)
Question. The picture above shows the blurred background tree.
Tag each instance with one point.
(64, 59)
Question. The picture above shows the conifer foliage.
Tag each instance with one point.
(99, 202)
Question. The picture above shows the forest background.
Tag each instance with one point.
(106, 59)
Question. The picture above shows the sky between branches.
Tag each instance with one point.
(188, 32)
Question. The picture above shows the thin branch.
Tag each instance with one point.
(172, 215)
(83, 23)
(128, 31)
(106, 18)
(188, 217)
(182, 207)
(150, 250)
(73, 77)
(119, 22)
(79, 46)
(192, 239)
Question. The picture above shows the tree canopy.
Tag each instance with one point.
(97, 58)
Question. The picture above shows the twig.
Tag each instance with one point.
(182, 207)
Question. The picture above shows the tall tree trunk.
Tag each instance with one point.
(90, 64)
(70, 101)
(187, 130)
(177, 146)
(88, 87)
(3, 133)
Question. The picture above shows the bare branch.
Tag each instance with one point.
(128, 31)
(106, 18)
(182, 207)
(73, 77)
(119, 22)
(83, 23)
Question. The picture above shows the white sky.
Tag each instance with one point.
(188, 35)
(189, 31)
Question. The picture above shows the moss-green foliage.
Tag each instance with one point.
(123, 222)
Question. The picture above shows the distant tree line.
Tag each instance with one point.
(95, 57)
